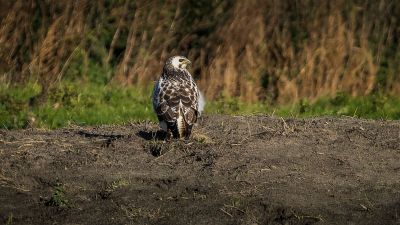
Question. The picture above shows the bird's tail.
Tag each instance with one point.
(181, 123)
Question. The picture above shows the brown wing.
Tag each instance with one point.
(162, 96)
(189, 99)
(170, 95)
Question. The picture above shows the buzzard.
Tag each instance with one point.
(176, 99)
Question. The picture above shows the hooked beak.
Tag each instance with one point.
(188, 63)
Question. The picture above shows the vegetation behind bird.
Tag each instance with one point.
(277, 52)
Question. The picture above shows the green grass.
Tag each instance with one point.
(91, 104)
(370, 107)
(58, 198)
(81, 104)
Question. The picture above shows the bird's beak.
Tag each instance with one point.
(188, 63)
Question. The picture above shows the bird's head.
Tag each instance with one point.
(177, 63)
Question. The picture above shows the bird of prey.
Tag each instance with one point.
(176, 99)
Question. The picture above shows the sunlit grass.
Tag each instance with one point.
(91, 104)
(370, 107)
(75, 104)
(96, 105)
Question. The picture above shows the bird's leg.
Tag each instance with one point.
(169, 135)
(187, 137)
(188, 132)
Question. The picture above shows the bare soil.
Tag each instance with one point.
(235, 170)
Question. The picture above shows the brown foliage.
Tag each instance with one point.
(335, 55)
(43, 53)
(279, 51)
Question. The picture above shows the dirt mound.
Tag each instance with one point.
(236, 170)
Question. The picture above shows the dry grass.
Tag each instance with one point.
(279, 51)
(335, 55)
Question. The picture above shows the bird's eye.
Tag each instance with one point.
(180, 60)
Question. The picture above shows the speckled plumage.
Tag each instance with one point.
(176, 98)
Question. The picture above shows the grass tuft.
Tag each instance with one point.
(58, 198)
